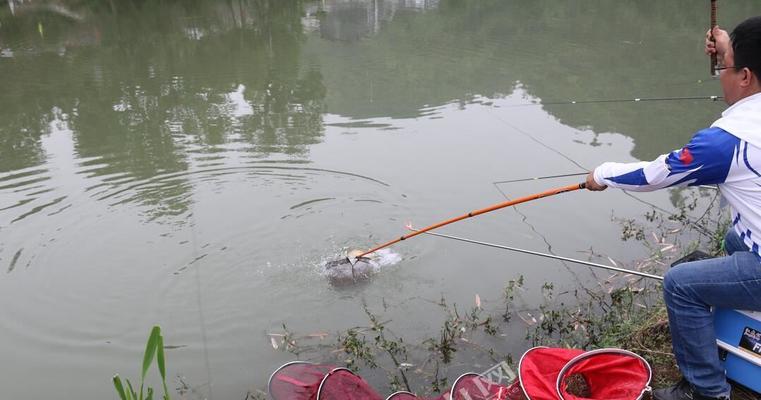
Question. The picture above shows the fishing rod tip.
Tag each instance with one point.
(354, 253)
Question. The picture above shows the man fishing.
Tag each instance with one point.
(728, 154)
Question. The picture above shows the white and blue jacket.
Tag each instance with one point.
(727, 154)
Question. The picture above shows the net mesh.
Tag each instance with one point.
(307, 381)
(476, 387)
(607, 375)
(344, 385)
(539, 369)
(297, 380)
(471, 387)
(545, 374)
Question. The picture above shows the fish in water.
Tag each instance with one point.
(344, 273)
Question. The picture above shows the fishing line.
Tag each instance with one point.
(530, 136)
(524, 219)
(199, 301)
(700, 229)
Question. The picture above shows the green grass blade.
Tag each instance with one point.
(119, 387)
(150, 349)
(132, 394)
(149, 396)
(160, 357)
(162, 366)
(150, 352)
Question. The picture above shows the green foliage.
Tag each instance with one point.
(154, 348)
(509, 295)
(354, 344)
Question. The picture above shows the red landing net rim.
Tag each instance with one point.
(610, 374)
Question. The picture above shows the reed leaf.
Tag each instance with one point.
(150, 352)
(119, 387)
(150, 349)
(132, 393)
(161, 364)
(153, 348)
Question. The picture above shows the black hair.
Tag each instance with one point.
(746, 44)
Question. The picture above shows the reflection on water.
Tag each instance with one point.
(351, 20)
(195, 162)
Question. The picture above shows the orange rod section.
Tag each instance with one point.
(509, 203)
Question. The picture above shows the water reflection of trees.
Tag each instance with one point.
(558, 50)
(148, 84)
(162, 81)
(352, 20)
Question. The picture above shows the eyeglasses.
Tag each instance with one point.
(721, 68)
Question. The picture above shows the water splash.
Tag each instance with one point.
(386, 258)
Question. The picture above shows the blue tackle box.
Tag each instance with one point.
(738, 334)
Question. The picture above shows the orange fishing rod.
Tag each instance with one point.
(509, 203)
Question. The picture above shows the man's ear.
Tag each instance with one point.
(749, 78)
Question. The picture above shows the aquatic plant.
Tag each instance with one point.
(154, 348)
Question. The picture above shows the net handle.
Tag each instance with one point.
(570, 364)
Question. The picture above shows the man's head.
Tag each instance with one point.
(743, 61)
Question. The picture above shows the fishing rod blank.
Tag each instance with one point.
(538, 178)
(358, 254)
(633, 100)
(536, 253)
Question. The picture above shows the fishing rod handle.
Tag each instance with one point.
(714, 56)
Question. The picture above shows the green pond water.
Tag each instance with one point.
(194, 164)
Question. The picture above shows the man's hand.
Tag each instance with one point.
(592, 184)
(717, 42)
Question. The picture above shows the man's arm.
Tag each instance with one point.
(705, 160)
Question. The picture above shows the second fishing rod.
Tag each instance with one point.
(540, 254)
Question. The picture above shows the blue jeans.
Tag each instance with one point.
(690, 290)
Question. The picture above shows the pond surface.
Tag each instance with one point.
(195, 164)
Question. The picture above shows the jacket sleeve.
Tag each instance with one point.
(705, 160)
